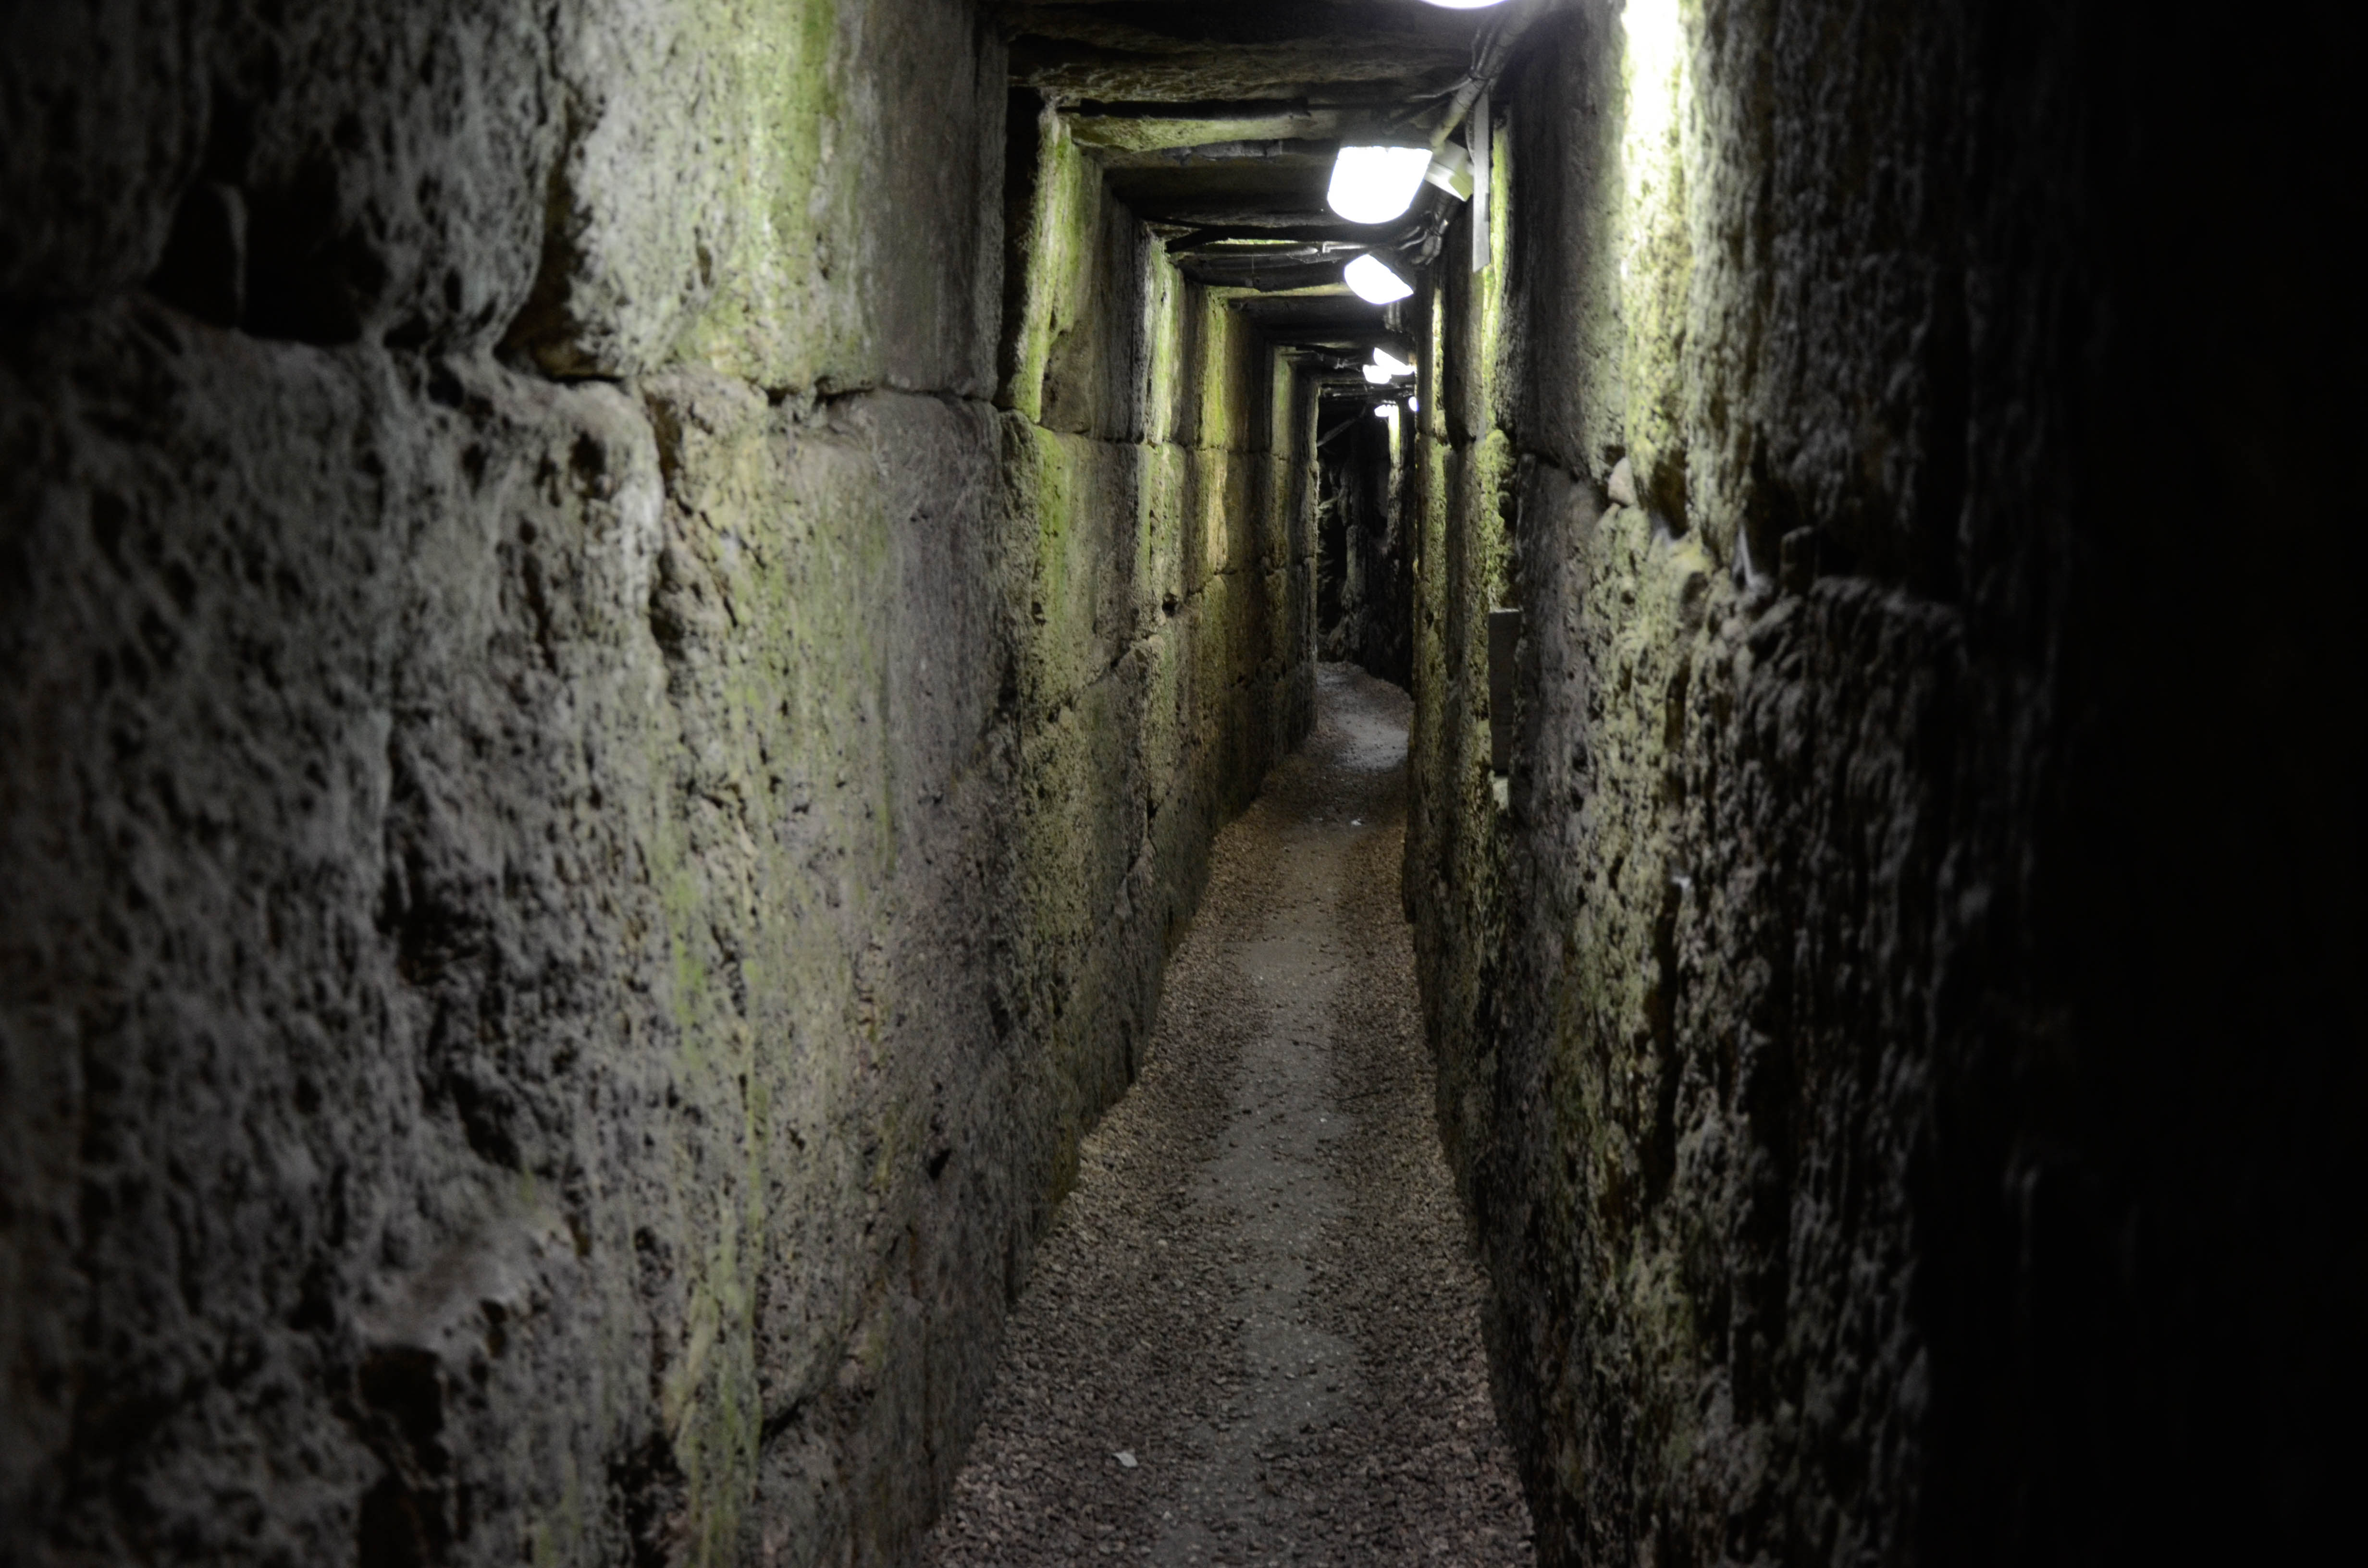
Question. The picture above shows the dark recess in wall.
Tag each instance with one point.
(1364, 582)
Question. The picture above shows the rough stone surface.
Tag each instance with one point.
(586, 819)
(789, 193)
(1886, 1027)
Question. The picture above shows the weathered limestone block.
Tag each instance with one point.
(322, 174)
(385, 166)
(788, 192)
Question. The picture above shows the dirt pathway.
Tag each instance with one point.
(1253, 1332)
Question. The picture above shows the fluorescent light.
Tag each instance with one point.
(1374, 282)
(1375, 376)
(1374, 185)
(1386, 411)
(1391, 366)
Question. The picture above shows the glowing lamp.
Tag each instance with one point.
(1374, 185)
(1373, 282)
(1375, 376)
(1389, 365)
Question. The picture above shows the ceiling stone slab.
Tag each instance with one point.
(1319, 74)
(1118, 139)
(1311, 50)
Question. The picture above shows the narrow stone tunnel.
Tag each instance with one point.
(941, 781)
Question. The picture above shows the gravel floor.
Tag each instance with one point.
(1253, 1332)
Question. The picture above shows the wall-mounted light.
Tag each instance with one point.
(1388, 364)
(1375, 376)
(1414, 405)
(1373, 282)
(1388, 411)
(1374, 185)
(1451, 170)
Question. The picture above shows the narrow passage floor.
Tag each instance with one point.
(1253, 1333)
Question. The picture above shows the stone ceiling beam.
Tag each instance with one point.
(1317, 52)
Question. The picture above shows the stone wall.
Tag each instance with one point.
(1889, 1026)
(620, 637)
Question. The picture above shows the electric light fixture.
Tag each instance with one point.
(1375, 376)
(1390, 365)
(1372, 280)
(1451, 171)
(1374, 185)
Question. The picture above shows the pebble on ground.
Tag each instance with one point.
(1252, 1334)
